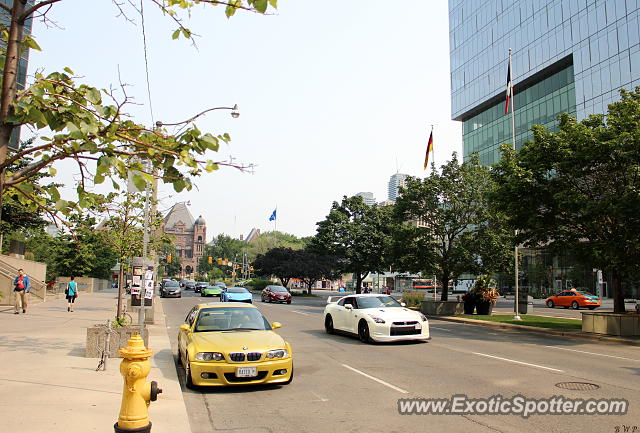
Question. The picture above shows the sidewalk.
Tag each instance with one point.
(49, 386)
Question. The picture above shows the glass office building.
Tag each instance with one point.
(568, 56)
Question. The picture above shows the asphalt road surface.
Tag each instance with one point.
(342, 385)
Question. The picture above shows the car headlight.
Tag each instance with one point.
(209, 356)
(423, 317)
(376, 318)
(277, 353)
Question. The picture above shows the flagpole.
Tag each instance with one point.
(433, 154)
(513, 131)
(275, 221)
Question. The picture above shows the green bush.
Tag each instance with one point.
(257, 284)
(412, 299)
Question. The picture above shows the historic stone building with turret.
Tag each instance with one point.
(190, 236)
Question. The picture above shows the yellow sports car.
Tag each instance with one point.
(232, 344)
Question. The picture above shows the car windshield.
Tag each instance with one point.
(278, 289)
(377, 302)
(171, 284)
(231, 319)
(213, 287)
(237, 290)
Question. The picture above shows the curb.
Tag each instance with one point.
(538, 330)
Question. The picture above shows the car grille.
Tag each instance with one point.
(405, 323)
(404, 330)
(240, 356)
(231, 377)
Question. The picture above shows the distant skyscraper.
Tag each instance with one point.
(368, 198)
(395, 182)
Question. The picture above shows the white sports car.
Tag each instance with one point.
(375, 318)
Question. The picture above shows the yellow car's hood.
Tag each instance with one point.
(237, 341)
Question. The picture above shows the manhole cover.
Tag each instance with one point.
(578, 386)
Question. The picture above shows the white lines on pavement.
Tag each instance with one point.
(300, 312)
(594, 353)
(319, 398)
(440, 329)
(519, 362)
(376, 379)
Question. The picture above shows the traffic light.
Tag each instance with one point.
(219, 261)
(168, 258)
(210, 260)
(251, 268)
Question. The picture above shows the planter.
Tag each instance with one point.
(469, 307)
(119, 338)
(601, 322)
(442, 308)
(484, 308)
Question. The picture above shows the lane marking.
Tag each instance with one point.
(518, 362)
(319, 398)
(440, 329)
(300, 312)
(376, 379)
(593, 353)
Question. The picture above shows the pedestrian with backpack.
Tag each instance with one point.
(72, 293)
(21, 286)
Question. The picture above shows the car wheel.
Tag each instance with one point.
(363, 332)
(288, 302)
(575, 305)
(187, 375)
(290, 378)
(328, 324)
(262, 298)
(550, 303)
(179, 356)
(202, 295)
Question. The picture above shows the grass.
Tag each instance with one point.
(531, 320)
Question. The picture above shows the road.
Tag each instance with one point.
(342, 385)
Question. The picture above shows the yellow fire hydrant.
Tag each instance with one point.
(137, 393)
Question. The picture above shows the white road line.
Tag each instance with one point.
(440, 329)
(376, 379)
(300, 312)
(319, 398)
(518, 362)
(593, 353)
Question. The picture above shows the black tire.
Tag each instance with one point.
(328, 324)
(179, 356)
(290, 378)
(187, 376)
(201, 295)
(550, 303)
(262, 298)
(363, 332)
(575, 305)
(288, 302)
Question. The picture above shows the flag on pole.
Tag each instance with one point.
(509, 94)
(429, 149)
(273, 215)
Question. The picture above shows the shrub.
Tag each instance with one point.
(257, 284)
(412, 299)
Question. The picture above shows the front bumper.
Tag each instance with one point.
(277, 299)
(171, 295)
(225, 372)
(382, 332)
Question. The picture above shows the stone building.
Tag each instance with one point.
(190, 236)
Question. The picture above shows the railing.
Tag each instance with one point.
(38, 288)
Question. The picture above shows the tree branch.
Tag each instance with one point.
(31, 10)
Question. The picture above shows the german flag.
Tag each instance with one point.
(429, 149)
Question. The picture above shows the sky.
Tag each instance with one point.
(334, 96)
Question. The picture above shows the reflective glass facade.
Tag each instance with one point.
(568, 55)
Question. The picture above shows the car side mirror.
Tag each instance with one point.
(403, 304)
(348, 307)
(185, 327)
(276, 325)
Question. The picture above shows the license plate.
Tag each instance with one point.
(418, 326)
(246, 372)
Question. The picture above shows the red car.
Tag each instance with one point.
(575, 299)
(276, 294)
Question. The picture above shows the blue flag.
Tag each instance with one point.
(273, 215)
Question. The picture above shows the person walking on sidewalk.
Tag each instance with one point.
(21, 286)
(72, 293)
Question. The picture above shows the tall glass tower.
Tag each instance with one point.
(568, 56)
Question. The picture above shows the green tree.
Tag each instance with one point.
(446, 226)
(222, 246)
(314, 267)
(89, 125)
(279, 262)
(357, 235)
(578, 189)
(274, 239)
